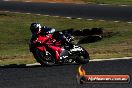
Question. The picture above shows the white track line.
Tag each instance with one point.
(129, 22)
(110, 59)
(116, 21)
(5, 0)
(123, 5)
(89, 19)
(34, 64)
(5, 11)
(27, 1)
(94, 60)
(56, 16)
(38, 14)
(65, 17)
(103, 4)
(46, 15)
(16, 12)
(77, 3)
(68, 17)
(79, 18)
(101, 20)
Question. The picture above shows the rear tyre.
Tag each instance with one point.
(43, 59)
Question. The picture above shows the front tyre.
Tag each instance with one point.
(43, 58)
(82, 57)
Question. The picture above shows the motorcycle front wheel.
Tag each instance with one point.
(82, 57)
(43, 59)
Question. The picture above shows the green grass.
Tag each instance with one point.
(114, 2)
(15, 34)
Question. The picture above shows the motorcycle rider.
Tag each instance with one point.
(48, 33)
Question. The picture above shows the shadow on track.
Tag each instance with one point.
(33, 66)
(19, 66)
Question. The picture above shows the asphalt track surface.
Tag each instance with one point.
(62, 76)
(87, 11)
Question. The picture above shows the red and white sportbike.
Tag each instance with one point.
(47, 51)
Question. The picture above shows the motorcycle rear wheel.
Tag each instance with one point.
(44, 60)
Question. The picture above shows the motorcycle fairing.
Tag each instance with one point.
(41, 48)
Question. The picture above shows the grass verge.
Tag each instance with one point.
(113, 2)
(15, 34)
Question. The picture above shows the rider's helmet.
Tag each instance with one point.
(35, 28)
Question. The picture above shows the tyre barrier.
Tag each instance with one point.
(87, 32)
(89, 35)
(90, 39)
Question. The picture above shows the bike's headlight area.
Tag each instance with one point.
(76, 48)
(39, 41)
